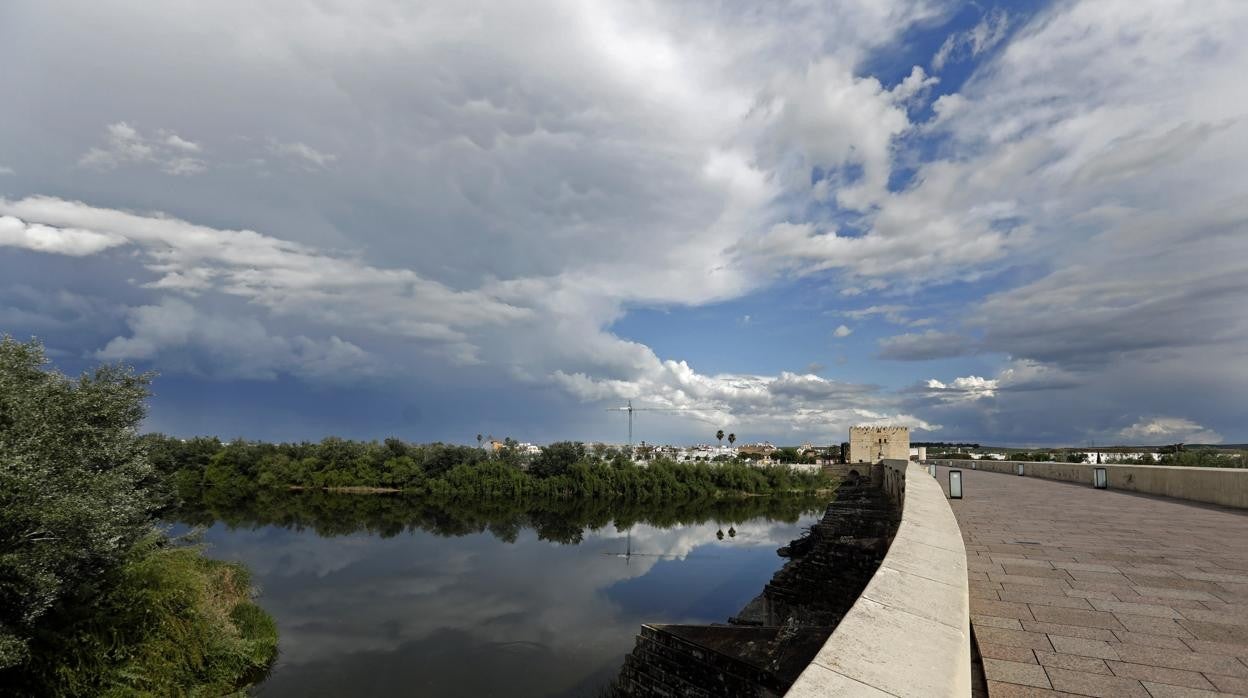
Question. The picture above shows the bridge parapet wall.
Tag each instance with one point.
(1225, 486)
(908, 634)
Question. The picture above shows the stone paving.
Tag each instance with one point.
(1078, 591)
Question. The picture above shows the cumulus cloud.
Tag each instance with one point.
(1020, 375)
(842, 331)
(1075, 207)
(1161, 430)
(875, 419)
(74, 242)
(284, 277)
(962, 388)
(340, 294)
(1097, 159)
(915, 86)
(789, 403)
(829, 118)
(125, 145)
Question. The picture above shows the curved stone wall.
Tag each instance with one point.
(1224, 486)
(908, 634)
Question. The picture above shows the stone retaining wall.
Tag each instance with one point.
(908, 634)
(1224, 486)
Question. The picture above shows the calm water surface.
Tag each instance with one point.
(425, 613)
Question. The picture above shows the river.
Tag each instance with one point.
(406, 598)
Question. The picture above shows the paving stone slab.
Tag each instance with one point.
(1077, 617)
(1084, 684)
(1229, 684)
(1090, 665)
(1174, 677)
(1161, 690)
(1013, 654)
(1124, 592)
(996, 689)
(1069, 631)
(1016, 672)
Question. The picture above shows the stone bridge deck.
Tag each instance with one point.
(1078, 591)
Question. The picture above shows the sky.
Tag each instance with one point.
(1021, 223)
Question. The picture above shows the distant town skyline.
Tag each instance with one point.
(1007, 223)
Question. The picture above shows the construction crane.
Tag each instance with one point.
(630, 410)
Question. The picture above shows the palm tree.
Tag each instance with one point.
(732, 439)
(720, 435)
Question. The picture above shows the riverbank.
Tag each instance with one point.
(94, 598)
(558, 520)
(174, 623)
(565, 470)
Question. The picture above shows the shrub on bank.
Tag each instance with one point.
(93, 599)
(173, 623)
(237, 470)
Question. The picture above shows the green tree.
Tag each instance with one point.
(732, 439)
(74, 486)
(557, 458)
(719, 436)
(94, 600)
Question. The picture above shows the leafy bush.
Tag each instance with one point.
(93, 599)
(238, 470)
(76, 489)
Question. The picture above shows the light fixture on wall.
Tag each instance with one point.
(931, 469)
(955, 484)
(1020, 468)
(1100, 478)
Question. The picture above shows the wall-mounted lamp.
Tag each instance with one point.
(955, 484)
(1020, 468)
(931, 469)
(1100, 478)
(974, 465)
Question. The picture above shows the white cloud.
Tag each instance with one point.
(174, 141)
(125, 145)
(74, 242)
(303, 153)
(1020, 375)
(963, 388)
(788, 403)
(915, 86)
(566, 163)
(5, 170)
(1160, 430)
(875, 419)
(286, 278)
(842, 331)
(989, 32)
(827, 117)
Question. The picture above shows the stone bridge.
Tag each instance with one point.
(1032, 585)
(1090, 592)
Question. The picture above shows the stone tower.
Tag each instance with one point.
(873, 444)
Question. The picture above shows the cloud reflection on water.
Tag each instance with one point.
(472, 615)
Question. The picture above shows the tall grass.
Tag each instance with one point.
(175, 623)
